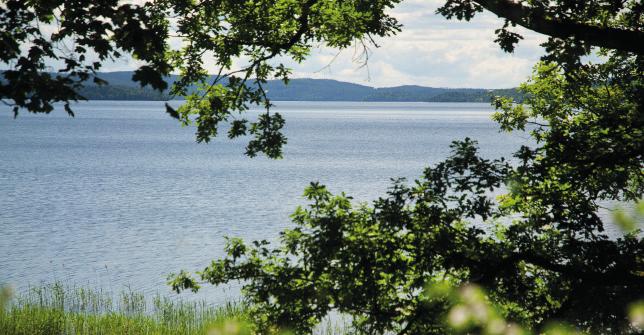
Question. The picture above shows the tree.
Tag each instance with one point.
(539, 250)
(253, 33)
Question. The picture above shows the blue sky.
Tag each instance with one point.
(430, 51)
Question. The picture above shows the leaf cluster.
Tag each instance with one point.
(80, 35)
(242, 38)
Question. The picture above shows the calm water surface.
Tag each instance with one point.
(122, 195)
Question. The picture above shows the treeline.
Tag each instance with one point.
(121, 87)
(109, 92)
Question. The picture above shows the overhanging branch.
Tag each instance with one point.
(537, 20)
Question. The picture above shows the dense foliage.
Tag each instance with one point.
(78, 36)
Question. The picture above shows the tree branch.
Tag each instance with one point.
(619, 275)
(537, 20)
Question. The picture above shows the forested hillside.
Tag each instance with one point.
(121, 87)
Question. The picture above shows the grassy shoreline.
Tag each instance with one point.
(60, 309)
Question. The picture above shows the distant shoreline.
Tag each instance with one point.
(316, 101)
(122, 88)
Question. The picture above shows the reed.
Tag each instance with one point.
(60, 309)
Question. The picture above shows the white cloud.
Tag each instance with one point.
(430, 51)
(433, 51)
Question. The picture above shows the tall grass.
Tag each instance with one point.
(58, 309)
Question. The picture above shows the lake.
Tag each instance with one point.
(121, 195)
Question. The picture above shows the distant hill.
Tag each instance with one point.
(121, 87)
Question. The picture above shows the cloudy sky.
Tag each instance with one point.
(430, 51)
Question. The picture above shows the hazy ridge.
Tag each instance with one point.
(121, 87)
